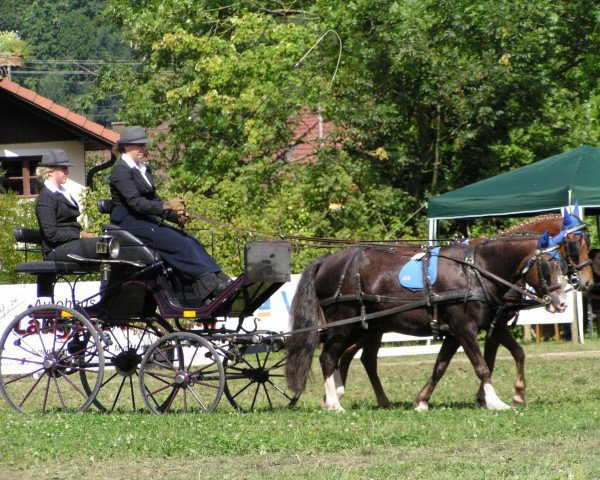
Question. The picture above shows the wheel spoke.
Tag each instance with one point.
(253, 377)
(58, 346)
(177, 354)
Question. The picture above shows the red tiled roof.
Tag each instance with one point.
(58, 111)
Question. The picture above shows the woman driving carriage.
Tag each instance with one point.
(57, 211)
(139, 210)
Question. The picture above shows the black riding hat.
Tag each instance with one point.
(133, 135)
(55, 158)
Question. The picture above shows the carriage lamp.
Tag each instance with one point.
(107, 247)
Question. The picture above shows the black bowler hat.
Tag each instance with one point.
(133, 135)
(55, 158)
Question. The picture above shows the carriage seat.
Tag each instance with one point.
(105, 205)
(46, 271)
(28, 237)
(132, 248)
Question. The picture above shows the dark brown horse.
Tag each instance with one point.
(362, 282)
(573, 248)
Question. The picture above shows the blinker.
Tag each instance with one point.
(545, 269)
(572, 247)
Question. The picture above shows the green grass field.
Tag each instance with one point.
(556, 436)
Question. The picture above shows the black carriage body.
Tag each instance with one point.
(135, 323)
(138, 283)
(132, 292)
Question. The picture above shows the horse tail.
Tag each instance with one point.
(305, 312)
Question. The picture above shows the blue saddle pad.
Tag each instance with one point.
(411, 274)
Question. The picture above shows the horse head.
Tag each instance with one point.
(543, 272)
(576, 250)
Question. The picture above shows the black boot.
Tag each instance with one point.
(204, 286)
(210, 286)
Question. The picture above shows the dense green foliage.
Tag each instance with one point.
(14, 213)
(69, 31)
(429, 96)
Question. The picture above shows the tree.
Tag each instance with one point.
(430, 96)
(66, 30)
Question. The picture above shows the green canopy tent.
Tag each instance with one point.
(543, 186)
(550, 184)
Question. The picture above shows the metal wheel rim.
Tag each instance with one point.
(125, 384)
(253, 382)
(178, 384)
(51, 363)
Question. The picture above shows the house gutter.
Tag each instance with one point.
(89, 178)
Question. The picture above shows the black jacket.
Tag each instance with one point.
(57, 219)
(131, 195)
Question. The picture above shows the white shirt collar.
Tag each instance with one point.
(140, 166)
(59, 189)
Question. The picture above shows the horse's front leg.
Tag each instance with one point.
(447, 351)
(490, 351)
(503, 336)
(487, 396)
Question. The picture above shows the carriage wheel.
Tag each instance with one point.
(256, 379)
(43, 351)
(182, 372)
(124, 348)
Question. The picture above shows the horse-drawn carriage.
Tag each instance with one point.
(144, 334)
(144, 326)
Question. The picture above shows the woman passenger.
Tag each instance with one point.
(57, 211)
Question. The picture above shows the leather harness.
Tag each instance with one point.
(430, 299)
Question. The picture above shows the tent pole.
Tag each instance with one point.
(432, 231)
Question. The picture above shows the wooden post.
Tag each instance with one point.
(527, 333)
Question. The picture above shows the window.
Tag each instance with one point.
(18, 175)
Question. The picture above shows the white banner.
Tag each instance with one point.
(273, 315)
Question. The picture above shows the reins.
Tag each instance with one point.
(495, 277)
(296, 239)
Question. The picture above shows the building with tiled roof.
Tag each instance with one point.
(30, 125)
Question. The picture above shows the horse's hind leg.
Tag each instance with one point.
(329, 359)
(447, 351)
(503, 336)
(345, 361)
(370, 344)
(369, 360)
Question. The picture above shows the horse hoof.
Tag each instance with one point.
(518, 401)
(336, 409)
(332, 407)
(498, 406)
(421, 407)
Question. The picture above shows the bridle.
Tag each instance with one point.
(572, 252)
(544, 270)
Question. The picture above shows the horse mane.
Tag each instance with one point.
(525, 224)
(512, 237)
